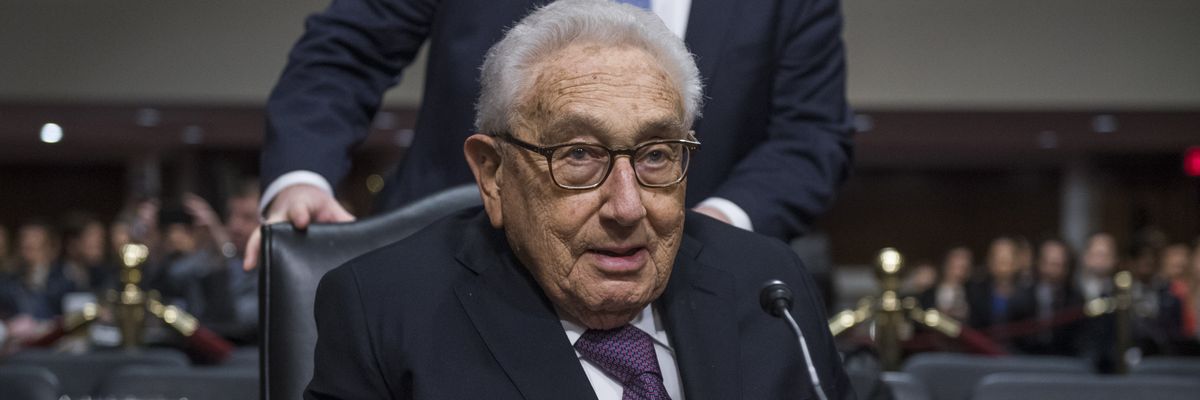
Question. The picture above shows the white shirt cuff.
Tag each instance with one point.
(737, 216)
(290, 179)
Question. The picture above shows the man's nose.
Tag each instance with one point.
(622, 196)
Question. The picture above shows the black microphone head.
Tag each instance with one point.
(775, 297)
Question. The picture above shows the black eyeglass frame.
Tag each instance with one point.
(548, 152)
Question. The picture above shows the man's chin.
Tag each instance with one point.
(609, 319)
(606, 312)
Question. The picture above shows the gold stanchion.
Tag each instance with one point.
(130, 302)
(130, 306)
(891, 316)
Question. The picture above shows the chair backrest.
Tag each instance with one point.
(953, 376)
(28, 382)
(80, 374)
(905, 386)
(210, 383)
(293, 264)
(1187, 367)
(1026, 386)
(242, 357)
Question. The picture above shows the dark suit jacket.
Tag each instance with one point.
(41, 303)
(450, 313)
(1060, 340)
(775, 128)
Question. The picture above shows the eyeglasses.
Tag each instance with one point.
(581, 166)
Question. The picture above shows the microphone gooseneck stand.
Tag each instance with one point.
(776, 299)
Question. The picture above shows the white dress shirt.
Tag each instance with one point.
(608, 388)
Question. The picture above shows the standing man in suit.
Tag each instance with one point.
(584, 276)
(776, 114)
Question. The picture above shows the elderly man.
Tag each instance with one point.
(584, 277)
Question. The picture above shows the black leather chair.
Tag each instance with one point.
(209, 383)
(293, 264)
(952, 376)
(81, 374)
(905, 386)
(28, 383)
(1026, 386)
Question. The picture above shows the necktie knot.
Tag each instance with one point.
(627, 354)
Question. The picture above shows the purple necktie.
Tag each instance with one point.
(627, 354)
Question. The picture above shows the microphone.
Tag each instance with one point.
(776, 299)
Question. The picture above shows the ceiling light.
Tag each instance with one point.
(1104, 123)
(147, 117)
(51, 133)
(192, 134)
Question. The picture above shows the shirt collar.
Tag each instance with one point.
(648, 321)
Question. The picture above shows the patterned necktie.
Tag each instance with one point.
(627, 354)
(644, 4)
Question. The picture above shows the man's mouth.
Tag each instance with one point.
(619, 259)
(618, 252)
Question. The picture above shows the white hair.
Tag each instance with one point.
(506, 71)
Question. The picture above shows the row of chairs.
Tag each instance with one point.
(949, 376)
(146, 374)
(293, 265)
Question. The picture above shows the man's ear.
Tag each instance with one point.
(484, 159)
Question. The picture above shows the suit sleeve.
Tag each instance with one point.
(336, 74)
(790, 179)
(345, 364)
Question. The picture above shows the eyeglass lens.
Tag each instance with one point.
(584, 165)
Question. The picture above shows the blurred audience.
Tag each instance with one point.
(1158, 315)
(988, 297)
(1050, 292)
(1098, 264)
(950, 294)
(198, 269)
(39, 282)
(84, 254)
(1175, 259)
(239, 320)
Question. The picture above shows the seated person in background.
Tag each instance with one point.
(1097, 266)
(31, 296)
(39, 283)
(187, 271)
(1158, 315)
(84, 254)
(988, 297)
(1094, 280)
(950, 294)
(1174, 270)
(580, 278)
(1051, 292)
(237, 318)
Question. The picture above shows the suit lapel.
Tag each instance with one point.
(698, 311)
(518, 323)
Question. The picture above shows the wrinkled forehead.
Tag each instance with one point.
(606, 92)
